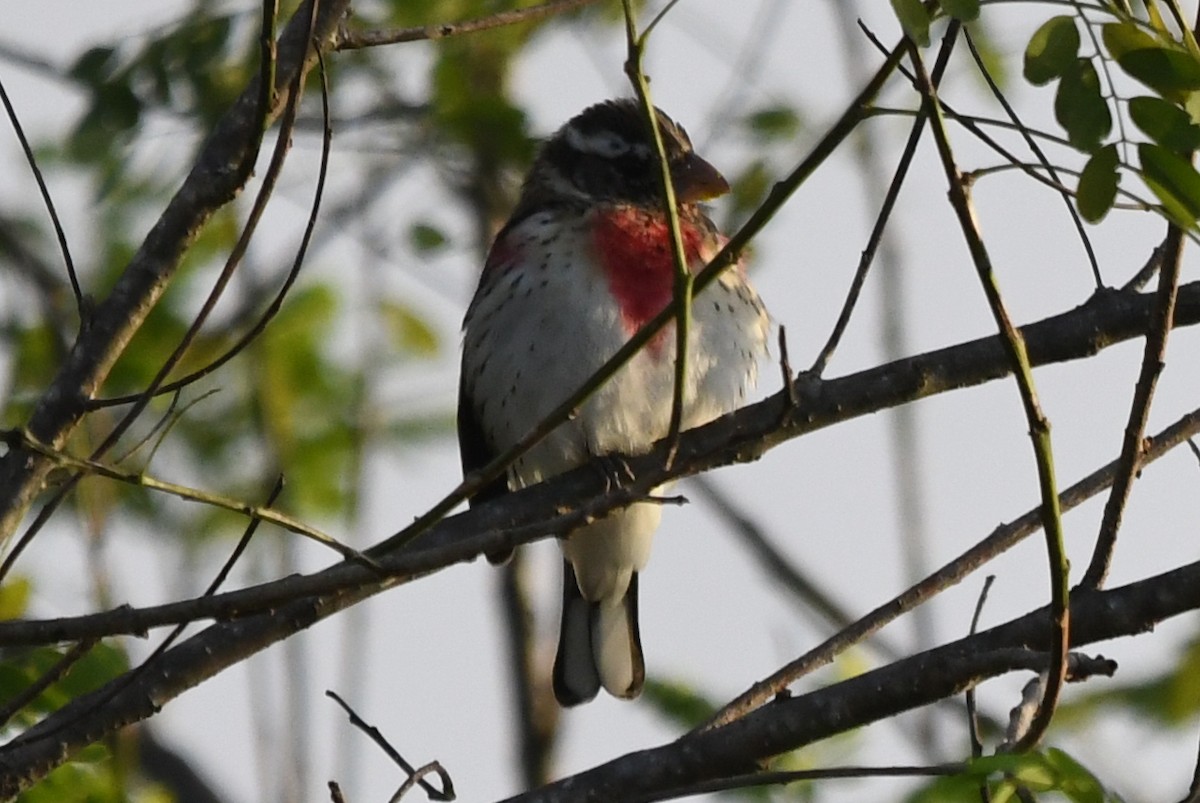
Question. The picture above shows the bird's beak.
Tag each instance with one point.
(696, 180)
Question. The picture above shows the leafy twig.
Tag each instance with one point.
(260, 325)
(212, 183)
(1039, 427)
(1027, 135)
(881, 221)
(83, 467)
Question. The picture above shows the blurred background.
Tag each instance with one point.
(351, 391)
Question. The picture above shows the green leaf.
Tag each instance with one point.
(1164, 66)
(914, 19)
(1052, 770)
(1098, 184)
(948, 789)
(1165, 123)
(751, 187)
(1166, 70)
(1052, 50)
(1080, 108)
(1124, 37)
(965, 10)
(1074, 779)
(14, 597)
(425, 238)
(678, 702)
(93, 67)
(410, 333)
(773, 123)
(1174, 181)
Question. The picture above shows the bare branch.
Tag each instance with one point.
(220, 171)
(354, 40)
(789, 723)
(1153, 357)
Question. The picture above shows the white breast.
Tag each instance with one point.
(549, 322)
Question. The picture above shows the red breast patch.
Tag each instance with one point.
(635, 252)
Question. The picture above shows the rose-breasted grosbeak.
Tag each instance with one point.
(583, 262)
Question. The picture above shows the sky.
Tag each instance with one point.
(428, 669)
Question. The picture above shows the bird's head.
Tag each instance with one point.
(606, 154)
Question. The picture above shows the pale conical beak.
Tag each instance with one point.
(696, 180)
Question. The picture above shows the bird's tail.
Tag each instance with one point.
(598, 645)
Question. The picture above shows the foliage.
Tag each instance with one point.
(1007, 776)
(1162, 59)
(300, 402)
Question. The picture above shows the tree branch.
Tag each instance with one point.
(550, 508)
(790, 723)
(221, 170)
(354, 40)
(553, 507)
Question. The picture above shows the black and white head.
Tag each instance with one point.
(606, 154)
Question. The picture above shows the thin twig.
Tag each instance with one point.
(786, 373)
(47, 679)
(1152, 265)
(1002, 539)
(48, 202)
(1153, 356)
(1039, 427)
(682, 286)
(432, 768)
(245, 166)
(881, 219)
(353, 40)
(447, 790)
(283, 145)
(127, 679)
(213, 182)
(972, 711)
(83, 467)
(1027, 135)
(973, 123)
(260, 325)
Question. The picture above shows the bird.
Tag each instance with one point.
(582, 263)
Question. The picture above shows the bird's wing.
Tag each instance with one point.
(474, 449)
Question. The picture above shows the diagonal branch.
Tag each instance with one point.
(790, 723)
(553, 507)
(1132, 443)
